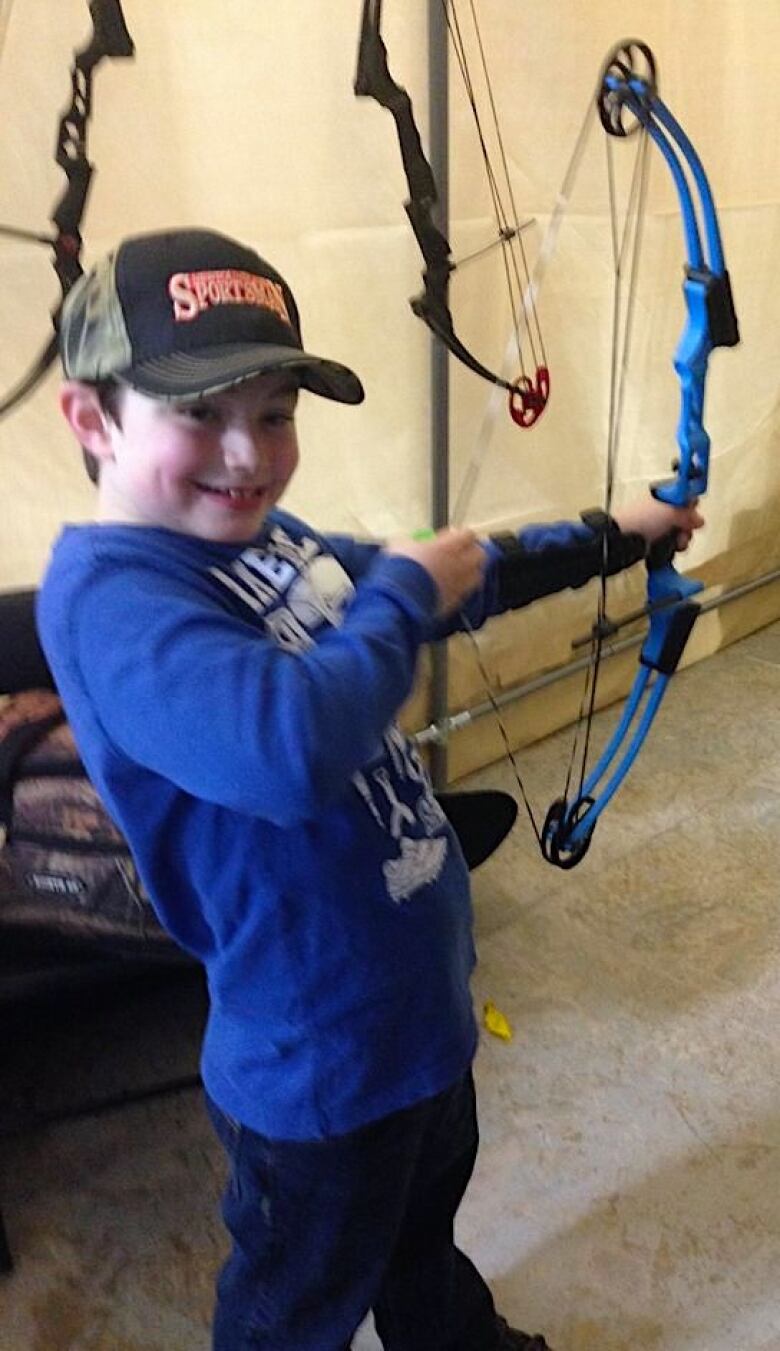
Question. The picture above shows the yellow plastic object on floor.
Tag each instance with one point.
(496, 1023)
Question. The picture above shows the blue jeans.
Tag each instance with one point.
(325, 1230)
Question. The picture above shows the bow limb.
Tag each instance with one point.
(109, 38)
(432, 307)
(29, 382)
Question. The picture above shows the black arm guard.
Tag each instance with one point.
(526, 576)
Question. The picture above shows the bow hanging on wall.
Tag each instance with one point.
(109, 38)
(529, 389)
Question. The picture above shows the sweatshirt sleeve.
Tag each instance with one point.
(202, 697)
(542, 559)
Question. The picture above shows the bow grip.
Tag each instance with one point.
(676, 493)
(666, 640)
(719, 300)
(661, 553)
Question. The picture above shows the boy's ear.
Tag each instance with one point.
(88, 420)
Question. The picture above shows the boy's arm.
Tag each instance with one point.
(524, 567)
(196, 694)
(542, 559)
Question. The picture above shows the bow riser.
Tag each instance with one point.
(109, 38)
(690, 362)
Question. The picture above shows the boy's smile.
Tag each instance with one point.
(211, 468)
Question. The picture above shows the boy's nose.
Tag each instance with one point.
(241, 448)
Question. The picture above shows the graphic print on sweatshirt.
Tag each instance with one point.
(291, 585)
(399, 796)
(295, 589)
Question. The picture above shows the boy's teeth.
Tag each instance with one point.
(232, 492)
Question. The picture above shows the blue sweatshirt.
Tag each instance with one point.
(234, 707)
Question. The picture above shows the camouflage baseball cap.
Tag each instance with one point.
(183, 313)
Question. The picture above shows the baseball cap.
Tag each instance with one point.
(181, 313)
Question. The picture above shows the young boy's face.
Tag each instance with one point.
(212, 469)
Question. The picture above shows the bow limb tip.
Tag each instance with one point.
(559, 846)
(629, 68)
(528, 398)
(111, 33)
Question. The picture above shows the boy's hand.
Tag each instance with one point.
(455, 560)
(655, 520)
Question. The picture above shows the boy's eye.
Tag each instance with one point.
(197, 412)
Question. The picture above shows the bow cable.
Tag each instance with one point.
(524, 312)
(542, 260)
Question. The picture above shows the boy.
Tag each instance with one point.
(232, 678)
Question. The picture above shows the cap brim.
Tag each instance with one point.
(188, 375)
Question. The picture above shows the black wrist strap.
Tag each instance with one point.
(600, 522)
(524, 577)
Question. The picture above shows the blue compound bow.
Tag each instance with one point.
(711, 322)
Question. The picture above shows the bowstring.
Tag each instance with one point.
(626, 251)
(492, 700)
(515, 261)
(489, 419)
(522, 303)
(496, 398)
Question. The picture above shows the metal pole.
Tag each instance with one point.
(438, 117)
(440, 730)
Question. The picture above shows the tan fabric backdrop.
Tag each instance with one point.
(240, 114)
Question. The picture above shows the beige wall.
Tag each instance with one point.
(239, 114)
